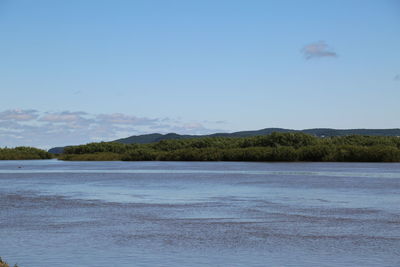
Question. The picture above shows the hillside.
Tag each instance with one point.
(319, 132)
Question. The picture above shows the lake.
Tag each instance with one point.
(55, 213)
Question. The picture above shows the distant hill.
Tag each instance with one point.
(319, 132)
(56, 150)
(153, 138)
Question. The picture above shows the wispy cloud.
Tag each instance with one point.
(18, 115)
(48, 129)
(397, 77)
(119, 118)
(65, 116)
(318, 50)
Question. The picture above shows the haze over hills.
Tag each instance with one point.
(319, 132)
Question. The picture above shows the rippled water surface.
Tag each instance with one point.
(55, 213)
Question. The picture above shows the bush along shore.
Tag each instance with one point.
(23, 152)
(272, 147)
(5, 264)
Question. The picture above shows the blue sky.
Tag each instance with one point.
(80, 71)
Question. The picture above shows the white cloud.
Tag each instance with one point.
(65, 116)
(119, 118)
(18, 115)
(318, 50)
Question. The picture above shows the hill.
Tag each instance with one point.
(319, 132)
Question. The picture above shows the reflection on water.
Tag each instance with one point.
(56, 213)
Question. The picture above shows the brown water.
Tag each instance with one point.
(55, 213)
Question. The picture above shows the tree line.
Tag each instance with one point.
(22, 153)
(272, 147)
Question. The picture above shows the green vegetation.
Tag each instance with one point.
(273, 147)
(23, 152)
(5, 264)
(319, 132)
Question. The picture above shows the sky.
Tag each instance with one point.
(74, 71)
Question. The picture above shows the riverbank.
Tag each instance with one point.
(24, 153)
(288, 147)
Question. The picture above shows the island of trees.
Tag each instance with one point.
(273, 147)
(295, 146)
(23, 152)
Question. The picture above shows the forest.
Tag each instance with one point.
(272, 147)
(23, 152)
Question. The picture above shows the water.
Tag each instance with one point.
(55, 213)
